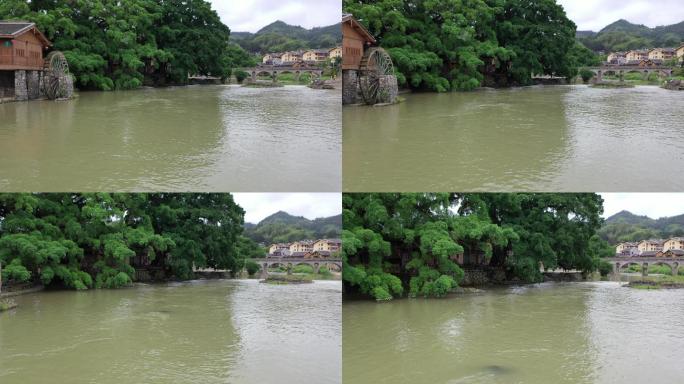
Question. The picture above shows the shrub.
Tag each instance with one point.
(240, 76)
(324, 271)
(252, 267)
(604, 267)
(303, 268)
(586, 75)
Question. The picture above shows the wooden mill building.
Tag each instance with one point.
(355, 40)
(22, 49)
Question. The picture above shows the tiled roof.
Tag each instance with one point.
(13, 28)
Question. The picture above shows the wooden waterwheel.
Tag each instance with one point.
(375, 64)
(57, 82)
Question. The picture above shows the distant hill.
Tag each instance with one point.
(626, 226)
(281, 227)
(280, 36)
(623, 36)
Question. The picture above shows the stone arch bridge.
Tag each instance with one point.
(275, 70)
(621, 262)
(621, 70)
(291, 262)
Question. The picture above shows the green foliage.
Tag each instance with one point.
(463, 44)
(303, 268)
(586, 75)
(624, 36)
(417, 236)
(282, 227)
(121, 45)
(240, 76)
(625, 226)
(281, 37)
(85, 240)
(605, 268)
(15, 272)
(324, 271)
(252, 267)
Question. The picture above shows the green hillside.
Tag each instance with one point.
(280, 36)
(626, 226)
(283, 227)
(623, 36)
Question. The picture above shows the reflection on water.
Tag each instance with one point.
(549, 333)
(525, 139)
(196, 332)
(200, 138)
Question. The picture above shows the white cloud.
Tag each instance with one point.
(258, 206)
(653, 205)
(252, 15)
(596, 14)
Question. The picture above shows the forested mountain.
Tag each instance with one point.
(280, 36)
(623, 36)
(626, 226)
(283, 227)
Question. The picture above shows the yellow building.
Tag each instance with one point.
(673, 243)
(330, 245)
(661, 54)
(301, 246)
(679, 52)
(637, 55)
(625, 248)
(291, 57)
(616, 58)
(335, 52)
(267, 58)
(277, 248)
(316, 55)
(650, 246)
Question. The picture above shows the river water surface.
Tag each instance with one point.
(195, 332)
(554, 138)
(200, 138)
(594, 333)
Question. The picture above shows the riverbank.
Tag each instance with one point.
(288, 279)
(657, 282)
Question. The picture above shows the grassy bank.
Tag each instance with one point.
(7, 304)
(288, 279)
(658, 282)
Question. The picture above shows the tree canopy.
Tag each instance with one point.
(392, 241)
(95, 240)
(122, 45)
(463, 44)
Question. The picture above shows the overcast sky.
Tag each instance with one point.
(596, 14)
(653, 205)
(257, 206)
(252, 15)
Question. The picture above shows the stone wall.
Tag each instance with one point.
(33, 84)
(28, 85)
(20, 87)
(389, 88)
(475, 277)
(350, 89)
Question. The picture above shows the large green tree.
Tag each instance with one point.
(122, 45)
(463, 44)
(392, 241)
(86, 240)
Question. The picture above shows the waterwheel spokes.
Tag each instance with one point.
(58, 83)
